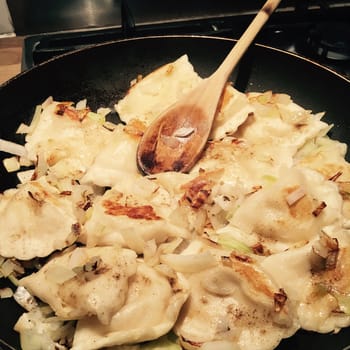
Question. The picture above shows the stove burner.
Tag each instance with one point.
(330, 41)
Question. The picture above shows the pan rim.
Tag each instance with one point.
(175, 36)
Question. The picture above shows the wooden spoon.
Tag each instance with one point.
(175, 140)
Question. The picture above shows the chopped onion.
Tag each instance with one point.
(42, 165)
(150, 252)
(283, 99)
(269, 178)
(326, 249)
(294, 196)
(319, 116)
(13, 280)
(319, 209)
(189, 263)
(97, 117)
(225, 202)
(9, 266)
(170, 247)
(27, 129)
(36, 118)
(11, 164)
(12, 148)
(77, 258)
(344, 188)
(47, 102)
(6, 293)
(23, 129)
(24, 161)
(81, 104)
(25, 299)
(92, 264)
(104, 111)
(183, 132)
(165, 270)
(25, 176)
(265, 97)
(230, 243)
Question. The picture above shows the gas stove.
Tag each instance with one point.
(317, 30)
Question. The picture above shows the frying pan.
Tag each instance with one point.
(102, 74)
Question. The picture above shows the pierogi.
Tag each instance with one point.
(247, 248)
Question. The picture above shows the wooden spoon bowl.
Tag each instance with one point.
(176, 139)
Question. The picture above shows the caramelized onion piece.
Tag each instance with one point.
(326, 251)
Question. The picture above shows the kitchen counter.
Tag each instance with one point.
(10, 57)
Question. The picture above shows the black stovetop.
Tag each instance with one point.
(319, 30)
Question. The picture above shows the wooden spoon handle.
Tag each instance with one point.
(163, 147)
(246, 39)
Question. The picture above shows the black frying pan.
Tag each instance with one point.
(102, 74)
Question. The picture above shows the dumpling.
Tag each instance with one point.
(71, 151)
(251, 164)
(327, 156)
(291, 269)
(316, 279)
(150, 96)
(278, 119)
(257, 146)
(238, 303)
(116, 162)
(293, 209)
(84, 282)
(151, 308)
(36, 220)
(234, 111)
(130, 215)
(326, 306)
